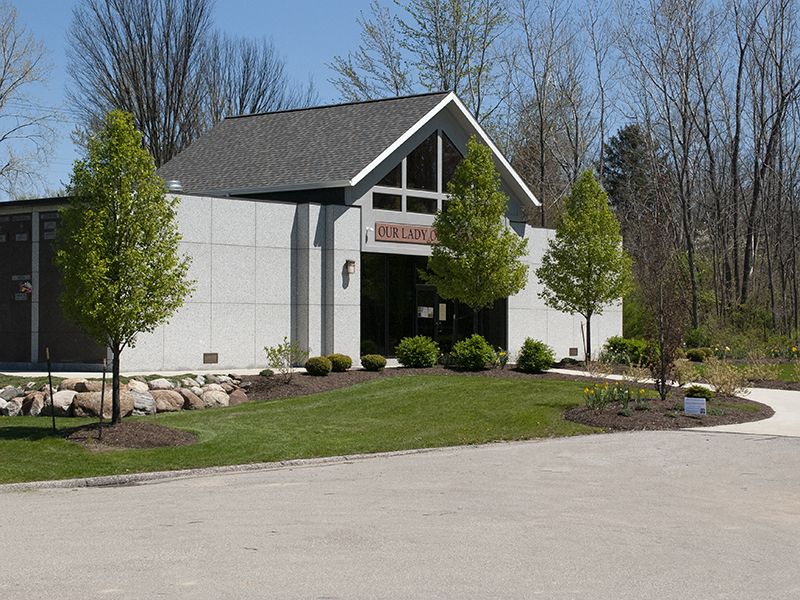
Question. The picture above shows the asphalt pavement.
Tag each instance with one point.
(709, 513)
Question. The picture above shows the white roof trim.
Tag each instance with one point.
(523, 189)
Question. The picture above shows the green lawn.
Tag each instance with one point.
(396, 413)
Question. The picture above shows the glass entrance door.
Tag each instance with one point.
(435, 317)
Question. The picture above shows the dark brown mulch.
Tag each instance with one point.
(140, 434)
(128, 435)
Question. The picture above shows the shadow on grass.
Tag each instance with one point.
(32, 434)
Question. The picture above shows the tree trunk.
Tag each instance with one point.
(115, 409)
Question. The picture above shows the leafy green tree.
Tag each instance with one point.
(117, 245)
(478, 258)
(585, 266)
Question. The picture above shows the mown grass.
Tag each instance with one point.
(397, 413)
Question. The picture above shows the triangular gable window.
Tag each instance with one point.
(421, 165)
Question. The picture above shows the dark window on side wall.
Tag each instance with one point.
(451, 158)
(426, 206)
(394, 178)
(387, 201)
(421, 166)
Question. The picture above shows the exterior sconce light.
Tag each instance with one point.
(350, 265)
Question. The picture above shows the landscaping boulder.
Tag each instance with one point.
(62, 401)
(96, 386)
(227, 387)
(69, 384)
(212, 379)
(167, 400)
(212, 398)
(143, 402)
(213, 387)
(188, 382)
(191, 401)
(10, 392)
(12, 408)
(87, 404)
(160, 384)
(201, 381)
(237, 397)
(197, 391)
(135, 385)
(32, 404)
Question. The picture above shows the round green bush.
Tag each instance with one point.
(473, 353)
(417, 352)
(267, 373)
(373, 362)
(708, 352)
(698, 391)
(340, 362)
(318, 366)
(535, 356)
(695, 355)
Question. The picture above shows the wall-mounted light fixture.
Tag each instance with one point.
(350, 265)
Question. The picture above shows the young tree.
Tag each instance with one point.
(662, 287)
(117, 246)
(478, 258)
(585, 266)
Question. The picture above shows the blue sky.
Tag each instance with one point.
(308, 33)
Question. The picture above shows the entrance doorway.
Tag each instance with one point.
(436, 317)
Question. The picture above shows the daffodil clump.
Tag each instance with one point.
(601, 395)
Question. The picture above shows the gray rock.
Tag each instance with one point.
(213, 387)
(227, 387)
(197, 391)
(3, 403)
(167, 400)
(191, 401)
(10, 392)
(160, 384)
(188, 382)
(140, 378)
(212, 379)
(224, 379)
(30, 386)
(213, 398)
(143, 402)
(63, 403)
(201, 381)
(12, 408)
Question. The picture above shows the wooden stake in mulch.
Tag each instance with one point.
(102, 400)
(50, 379)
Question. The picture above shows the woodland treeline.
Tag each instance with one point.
(686, 110)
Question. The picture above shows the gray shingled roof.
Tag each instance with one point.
(297, 147)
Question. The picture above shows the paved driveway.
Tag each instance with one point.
(637, 515)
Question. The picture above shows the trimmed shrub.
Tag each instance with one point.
(535, 356)
(318, 366)
(473, 353)
(627, 350)
(340, 362)
(267, 373)
(696, 355)
(698, 391)
(708, 352)
(373, 362)
(417, 352)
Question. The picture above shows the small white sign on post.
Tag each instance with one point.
(694, 406)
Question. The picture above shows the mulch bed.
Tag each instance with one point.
(128, 435)
(140, 434)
